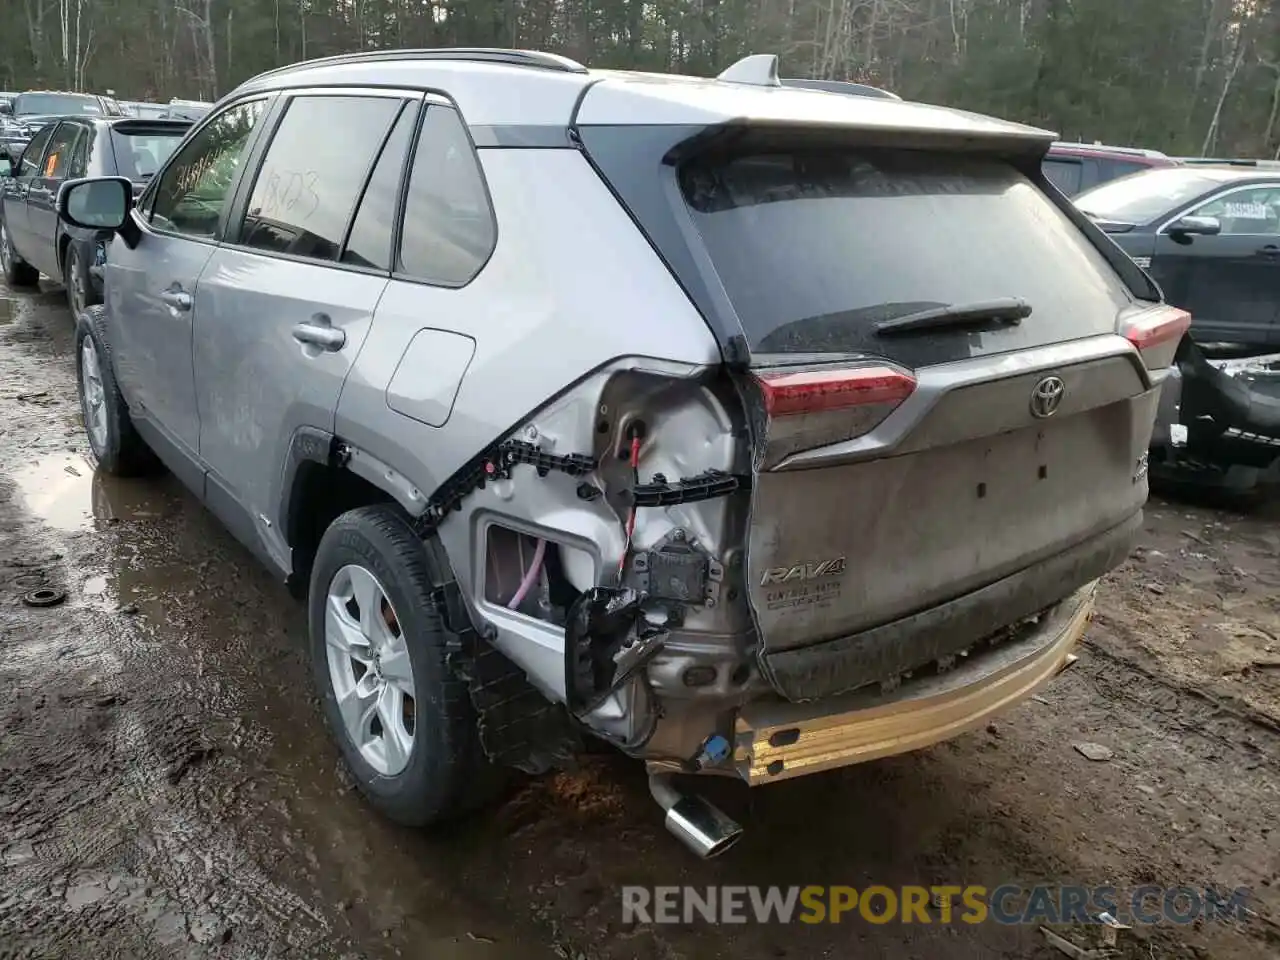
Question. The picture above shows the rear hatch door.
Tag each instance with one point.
(939, 394)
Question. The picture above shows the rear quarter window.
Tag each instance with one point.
(814, 248)
(448, 230)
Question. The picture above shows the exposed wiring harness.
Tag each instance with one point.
(631, 516)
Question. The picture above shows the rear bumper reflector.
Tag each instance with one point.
(881, 653)
(778, 740)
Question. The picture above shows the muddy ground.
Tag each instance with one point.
(167, 790)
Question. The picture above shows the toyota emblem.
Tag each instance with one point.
(1047, 396)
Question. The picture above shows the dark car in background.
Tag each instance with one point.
(30, 111)
(32, 239)
(1074, 167)
(1209, 234)
(1210, 237)
(1218, 426)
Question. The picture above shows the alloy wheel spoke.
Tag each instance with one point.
(358, 706)
(344, 634)
(369, 600)
(395, 667)
(396, 740)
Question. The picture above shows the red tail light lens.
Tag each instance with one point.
(816, 391)
(1154, 327)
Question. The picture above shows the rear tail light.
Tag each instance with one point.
(818, 391)
(1160, 325)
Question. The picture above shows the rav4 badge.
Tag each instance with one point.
(803, 571)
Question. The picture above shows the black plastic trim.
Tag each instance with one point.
(368, 178)
(522, 136)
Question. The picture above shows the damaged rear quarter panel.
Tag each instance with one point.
(572, 287)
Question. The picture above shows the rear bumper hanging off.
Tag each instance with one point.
(777, 740)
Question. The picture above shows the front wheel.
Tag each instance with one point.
(403, 721)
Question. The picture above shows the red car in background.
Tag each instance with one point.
(1075, 167)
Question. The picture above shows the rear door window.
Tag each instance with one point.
(80, 155)
(815, 248)
(306, 189)
(61, 147)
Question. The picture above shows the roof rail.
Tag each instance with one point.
(1227, 162)
(1100, 147)
(516, 58)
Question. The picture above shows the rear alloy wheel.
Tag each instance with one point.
(402, 718)
(113, 441)
(369, 670)
(75, 277)
(93, 399)
(17, 273)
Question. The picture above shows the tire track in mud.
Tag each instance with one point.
(103, 847)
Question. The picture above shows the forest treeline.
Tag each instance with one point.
(1184, 76)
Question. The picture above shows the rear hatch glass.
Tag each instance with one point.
(816, 248)
(141, 151)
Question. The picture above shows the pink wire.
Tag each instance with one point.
(530, 576)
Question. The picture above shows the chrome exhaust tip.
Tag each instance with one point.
(697, 823)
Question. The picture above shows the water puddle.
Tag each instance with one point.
(67, 493)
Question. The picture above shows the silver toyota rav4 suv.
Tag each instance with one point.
(752, 429)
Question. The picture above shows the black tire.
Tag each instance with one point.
(447, 773)
(120, 451)
(75, 278)
(17, 272)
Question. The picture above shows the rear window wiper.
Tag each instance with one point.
(1008, 310)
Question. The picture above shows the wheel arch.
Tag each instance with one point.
(63, 242)
(323, 478)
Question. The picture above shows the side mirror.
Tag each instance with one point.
(6, 165)
(6, 109)
(100, 203)
(1186, 228)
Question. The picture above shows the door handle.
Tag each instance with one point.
(1271, 251)
(178, 299)
(320, 332)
